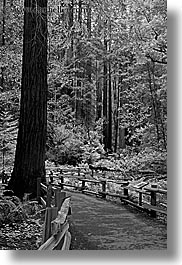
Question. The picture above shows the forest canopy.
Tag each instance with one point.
(106, 78)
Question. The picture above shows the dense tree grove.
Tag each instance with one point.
(106, 74)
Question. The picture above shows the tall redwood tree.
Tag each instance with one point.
(30, 150)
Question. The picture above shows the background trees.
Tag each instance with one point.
(111, 71)
(107, 76)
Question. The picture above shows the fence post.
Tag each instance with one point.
(83, 184)
(51, 177)
(62, 182)
(50, 215)
(103, 188)
(59, 197)
(125, 190)
(49, 196)
(140, 198)
(38, 189)
(153, 199)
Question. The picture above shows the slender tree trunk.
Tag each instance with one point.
(110, 96)
(117, 120)
(105, 99)
(70, 25)
(3, 153)
(70, 49)
(89, 97)
(154, 105)
(4, 19)
(3, 39)
(110, 111)
(89, 61)
(122, 130)
(78, 95)
(158, 111)
(80, 12)
(30, 150)
(98, 93)
(2, 75)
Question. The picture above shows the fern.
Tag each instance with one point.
(8, 134)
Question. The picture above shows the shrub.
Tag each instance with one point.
(11, 210)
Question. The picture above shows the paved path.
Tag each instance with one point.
(107, 225)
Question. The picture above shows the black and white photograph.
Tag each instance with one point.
(83, 125)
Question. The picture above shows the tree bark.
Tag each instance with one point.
(30, 150)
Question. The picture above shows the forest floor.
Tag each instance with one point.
(20, 236)
(27, 234)
(90, 231)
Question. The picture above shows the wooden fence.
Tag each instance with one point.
(152, 191)
(151, 206)
(56, 234)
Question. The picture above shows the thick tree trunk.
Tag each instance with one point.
(30, 150)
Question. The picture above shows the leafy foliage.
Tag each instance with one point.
(72, 145)
(11, 210)
(20, 224)
(136, 36)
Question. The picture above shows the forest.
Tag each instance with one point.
(82, 83)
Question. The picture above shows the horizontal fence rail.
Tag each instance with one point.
(81, 174)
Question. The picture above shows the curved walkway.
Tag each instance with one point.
(107, 225)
